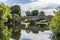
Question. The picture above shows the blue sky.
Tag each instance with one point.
(34, 4)
(10, 2)
(41, 2)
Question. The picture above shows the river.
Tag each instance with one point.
(33, 34)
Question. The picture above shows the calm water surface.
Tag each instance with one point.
(46, 35)
(33, 33)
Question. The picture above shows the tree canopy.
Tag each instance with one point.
(42, 13)
(4, 17)
(16, 10)
(28, 13)
(55, 24)
(34, 12)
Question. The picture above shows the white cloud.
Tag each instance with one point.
(38, 4)
(50, 1)
(32, 0)
(3, 0)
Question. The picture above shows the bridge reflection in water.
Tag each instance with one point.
(32, 20)
(32, 31)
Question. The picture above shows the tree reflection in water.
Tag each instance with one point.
(36, 29)
(56, 37)
(16, 35)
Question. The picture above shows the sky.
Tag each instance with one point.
(27, 5)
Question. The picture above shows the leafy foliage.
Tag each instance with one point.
(28, 13)
(42, 13)
(15, 16)
(55, 24)
(7, 15)
(4, 16)
(16, 35)
(35, 12)
(16, 10)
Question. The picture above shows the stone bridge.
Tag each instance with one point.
(34, 18)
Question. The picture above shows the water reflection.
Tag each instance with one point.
(36, 29)
(16, 35)
(57, 37)
(31, 36)
(32, 33)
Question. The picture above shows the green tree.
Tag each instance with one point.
(55, 25)
(15, 16)
(16, 35)
(42, 13)
(34, 12)
(4, 16)
(28, 13)
(16, 10)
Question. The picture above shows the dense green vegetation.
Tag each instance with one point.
(28, 13)
(42, 13)
(16, 35)
(35, 13)
(15, 10)
(55, 25)
(5, 17)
